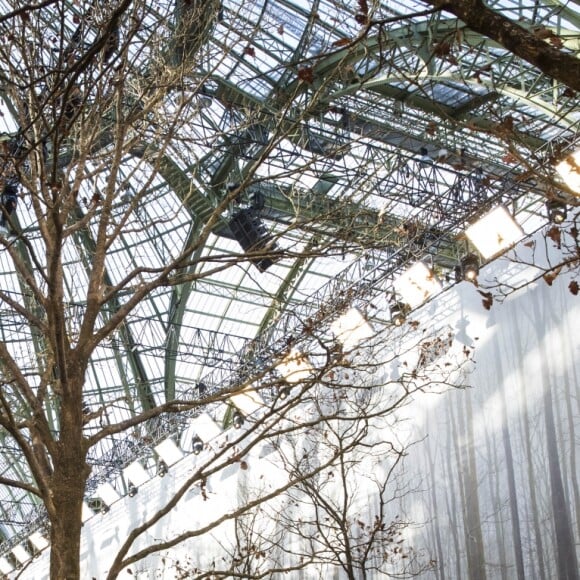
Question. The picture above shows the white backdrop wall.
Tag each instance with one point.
(499, 462)
(491, 487)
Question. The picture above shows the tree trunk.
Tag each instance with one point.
(68, 481)
(553, 62)
(66, 519)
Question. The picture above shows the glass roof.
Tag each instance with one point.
(341, 145)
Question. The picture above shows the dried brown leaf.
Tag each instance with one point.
(306, 74)
(487, 299)
(442, 48)
(555, 234)
(549, 277)
(363, 6)
(573, 287)
(342, 42)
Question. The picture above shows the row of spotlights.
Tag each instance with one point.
(467, 269)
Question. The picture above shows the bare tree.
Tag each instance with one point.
(340, 515)
(127, 129)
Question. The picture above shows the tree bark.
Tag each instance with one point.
(555, 63)
(66, 519)
(68, 481)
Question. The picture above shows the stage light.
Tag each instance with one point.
(295, 367)
(21, 554)
(351, 328)
(416, 284)
(162, 468)
(38, 541)
(132, 490)
(107, 493)
(284, 393)
(249, 231)
(494, 233)
(168, 452)
(135, 473)
(469, 267)
(569, 170)
(237, 420)
(247, 400)
(557, 211)
(196, 445)
(204, 425)
(398, 313)
(5, 566)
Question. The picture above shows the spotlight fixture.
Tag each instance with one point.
(494, 233)
(196, 445)
(5, 566)
(21, 554)
(38, 541)
(284, 392)
(249, 231)
(351, 328)
(398, 313)
(237, 420)
(162, 469)
(469, 267)
(424, 157)
(135, 474)
(247, 401)
(416, 284)
(557, 211)
(108, 496)
(295, 367)
(133, 490)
